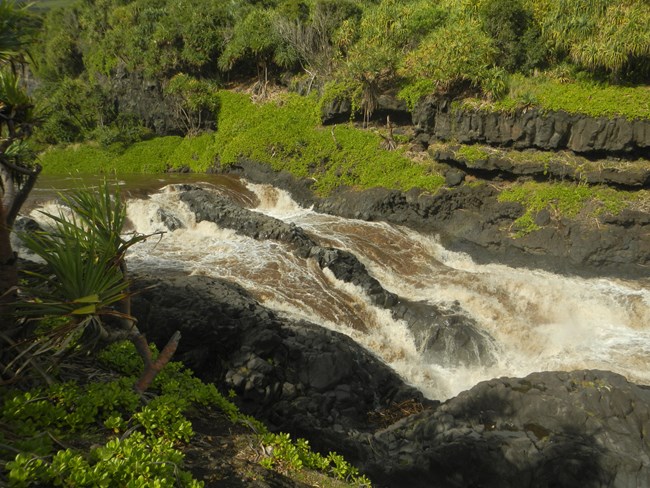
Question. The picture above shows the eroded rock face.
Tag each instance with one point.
(583, 428)
(532, 128)
(494, 166)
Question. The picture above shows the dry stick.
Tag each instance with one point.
(128, 322)
(389, 141)
(152, 368)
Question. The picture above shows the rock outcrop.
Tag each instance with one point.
(442, 120)
(471, 219)
(298, 376)
(561, 429)
(581, 428)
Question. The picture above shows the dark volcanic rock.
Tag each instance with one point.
(134, 94)
(296, 375)
(339, 110)
(583, 428)
(604, 172)
(532, 128)
(560, 429)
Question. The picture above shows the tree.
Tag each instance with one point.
(85, 282)
(195, 101)
(452, 55)
(607, 35)
(18, 172)
(255, 38)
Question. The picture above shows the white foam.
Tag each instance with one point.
(539, 320)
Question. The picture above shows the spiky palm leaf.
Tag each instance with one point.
(84, 252)
(16, 26)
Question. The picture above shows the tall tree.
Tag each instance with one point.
(18, 172)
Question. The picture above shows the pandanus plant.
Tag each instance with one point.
(86, 280)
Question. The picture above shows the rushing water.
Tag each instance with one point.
(539, 320)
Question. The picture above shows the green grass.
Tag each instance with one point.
(576, 97)
(472, 153)
(565, 199)
(286, 135)
(150, 156)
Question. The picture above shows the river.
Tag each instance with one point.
(538, 320)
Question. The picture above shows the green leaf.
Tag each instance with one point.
(87, 310)
(88, 299)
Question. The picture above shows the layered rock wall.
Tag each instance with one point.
(442, 120)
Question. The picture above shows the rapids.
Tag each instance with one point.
(539, 320)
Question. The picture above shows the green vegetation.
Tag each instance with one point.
(579, 97)
(85, 286)
(564, 199)
(284, 133)
(150, 156)
(583, 56)
(116, 439)
(472, 153)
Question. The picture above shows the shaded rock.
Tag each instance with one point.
(454, 177)
(298, 376)
(562, 429)
(583, 428)
(388, 104)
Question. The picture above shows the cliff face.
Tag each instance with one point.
(437, 120)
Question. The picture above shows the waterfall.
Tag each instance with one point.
(539, 320)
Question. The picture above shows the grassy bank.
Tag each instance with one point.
(553, 93)
(284, 133)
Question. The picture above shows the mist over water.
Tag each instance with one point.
(539, 320)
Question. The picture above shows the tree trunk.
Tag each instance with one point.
(8, 273)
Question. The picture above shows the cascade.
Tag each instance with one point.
(538, 320)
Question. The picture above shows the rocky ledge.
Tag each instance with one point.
(583, 428)
(493, 163)
(440, 119)
(443, 119)
(471, 219)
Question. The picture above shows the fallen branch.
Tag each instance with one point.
(152, 368)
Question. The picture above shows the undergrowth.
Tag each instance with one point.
(102, 434)
(566, 199)
(575, 96)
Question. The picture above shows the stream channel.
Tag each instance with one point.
(539, 321)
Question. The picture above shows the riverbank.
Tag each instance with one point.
(548, 209)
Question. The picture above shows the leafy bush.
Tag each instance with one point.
(451, 55)
(134, 444)
(597, 34)
(510, 24)
(196, 102)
